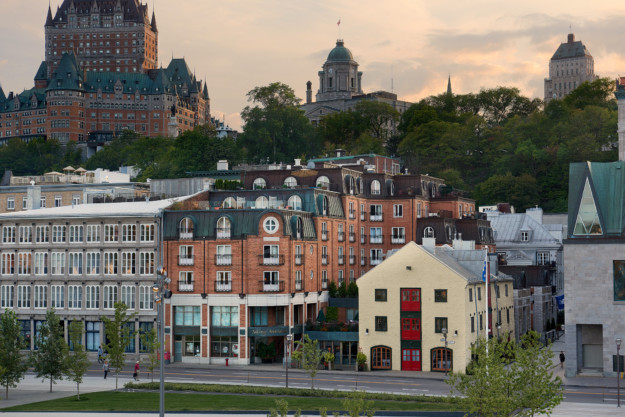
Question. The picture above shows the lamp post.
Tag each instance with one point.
(289, 337)
(618, 371)
(444, 331)
(160, 293)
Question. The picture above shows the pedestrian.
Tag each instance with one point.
(100, 358)
(105, 367)
(562, 359)
(136, 374)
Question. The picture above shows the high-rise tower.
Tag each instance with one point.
(104, 35)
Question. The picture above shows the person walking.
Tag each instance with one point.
(562, 359)
(100, 357)
(136, 374)
(105, 367)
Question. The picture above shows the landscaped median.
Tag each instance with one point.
(206, 397)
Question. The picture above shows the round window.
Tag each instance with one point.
(271, 225)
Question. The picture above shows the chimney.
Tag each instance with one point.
(571, 38)
(222, 165)
(308, 92)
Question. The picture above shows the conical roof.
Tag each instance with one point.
(153, 24)
(49, 21)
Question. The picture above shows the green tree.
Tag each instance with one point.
(507, 377)
(117, 332)
(599, 92)
(50, 359)
(357, 405)
(77, 360)
(200, 149)
(275, 127)
(538, 392)
(151, 347)
(309, 355)
(12, 364)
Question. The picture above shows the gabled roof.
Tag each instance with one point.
(508, 229)
(607, 184)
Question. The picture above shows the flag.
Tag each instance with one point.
(484, 270)
(338, 23)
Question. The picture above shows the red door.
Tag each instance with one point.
(411, 329)
(411, 359)
(411, 299)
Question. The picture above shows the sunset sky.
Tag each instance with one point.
(413, 45)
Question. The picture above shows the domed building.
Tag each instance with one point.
(340, 87)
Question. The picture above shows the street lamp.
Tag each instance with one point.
(160, 293)
(444, 331)
(618, 371)
(289, 337)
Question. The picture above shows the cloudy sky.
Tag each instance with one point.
(411, 45)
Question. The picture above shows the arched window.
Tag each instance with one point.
(381, 357)
(262, 202)
(428, 232)
(323, 181)
(185, 228)
(260, 184)
(375, 187)
(224, 228)
(325, 206)
(230, 202)
(295, 202)
(442, 360)
(361, 185)
(290, 182)
(390, 185)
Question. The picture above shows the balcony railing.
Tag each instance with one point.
(223, 259)
(272, 286)
(186, 260)
(376, 261)
(298, 285)
(341, 259)
(363, 260)
(185, 286)
(375, 217)
(271, 260)
(298, 259)
(352, 214)
(377, 239)
(185, 234)
(352, 259)
(324, 259)
(395, 239)
(324, 235)
(341, 236)
(324, 285)
(363, 238)
(352, 237)
(223, 232)
(362, 215)
(223, 286)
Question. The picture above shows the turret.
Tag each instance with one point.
(153, 24)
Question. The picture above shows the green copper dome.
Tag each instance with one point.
(340, 53)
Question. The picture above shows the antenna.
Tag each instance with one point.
(338, 24)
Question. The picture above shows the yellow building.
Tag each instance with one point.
(423, 295)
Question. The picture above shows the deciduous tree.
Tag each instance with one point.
(117, 332)
(12, 364)
(50, 357)
(77, 360)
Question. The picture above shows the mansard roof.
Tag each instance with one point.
(133, 9)
(180, 74)
(131, 82)
(571, 49)
(42, 72)
(25, 100)
(508, 229)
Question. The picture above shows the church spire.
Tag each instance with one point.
(449, 93)
(153, 24)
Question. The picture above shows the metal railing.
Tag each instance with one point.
(223, 259)
(184, 260)
(271, 260)
(272, 286)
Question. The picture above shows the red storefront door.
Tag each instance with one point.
(411, 359)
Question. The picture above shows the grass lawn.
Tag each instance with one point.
(148, 401)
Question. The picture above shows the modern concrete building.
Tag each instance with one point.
(594, 267)
(407, 301)
(569, 66)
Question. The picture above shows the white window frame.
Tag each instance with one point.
(111, 233)
(398, 210)
(26, 234)
(93, 233)
(146, 300)
(146, 263)
(148, 232)
(74, 297)
(75, 263)
(7, 296)
(23, 296)
(76, 233)
(57, 263)
(92, 297)
(111, 263)
(41, 297)
(42, 234)
(57, 296)
(58, 234)
(92, 263)
(129, 295)
(24, 262)
(8, 234)
(129, 261)
(109, 297)
(129, 233)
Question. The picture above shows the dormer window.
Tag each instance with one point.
(260, 184)
(428, 232)
(290, 182)
(186, 228)
(525, 236)
(375, 187)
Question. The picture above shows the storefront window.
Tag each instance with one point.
(191, 345)
(92, 334)
(144, 327)
(225, 316)
(259, 316)
(187, 316)
(25, 333)
(224, 346)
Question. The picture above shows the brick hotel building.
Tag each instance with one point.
(100, 77)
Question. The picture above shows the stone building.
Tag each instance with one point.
(569, 66)
(432, 288)
(340, 88)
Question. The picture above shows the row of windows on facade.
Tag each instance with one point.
(95, 44)
(58, 201)
(76, 297)
(440, 295)
(77, 263)
(440, 323)
(78, 233)
(118, 35)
